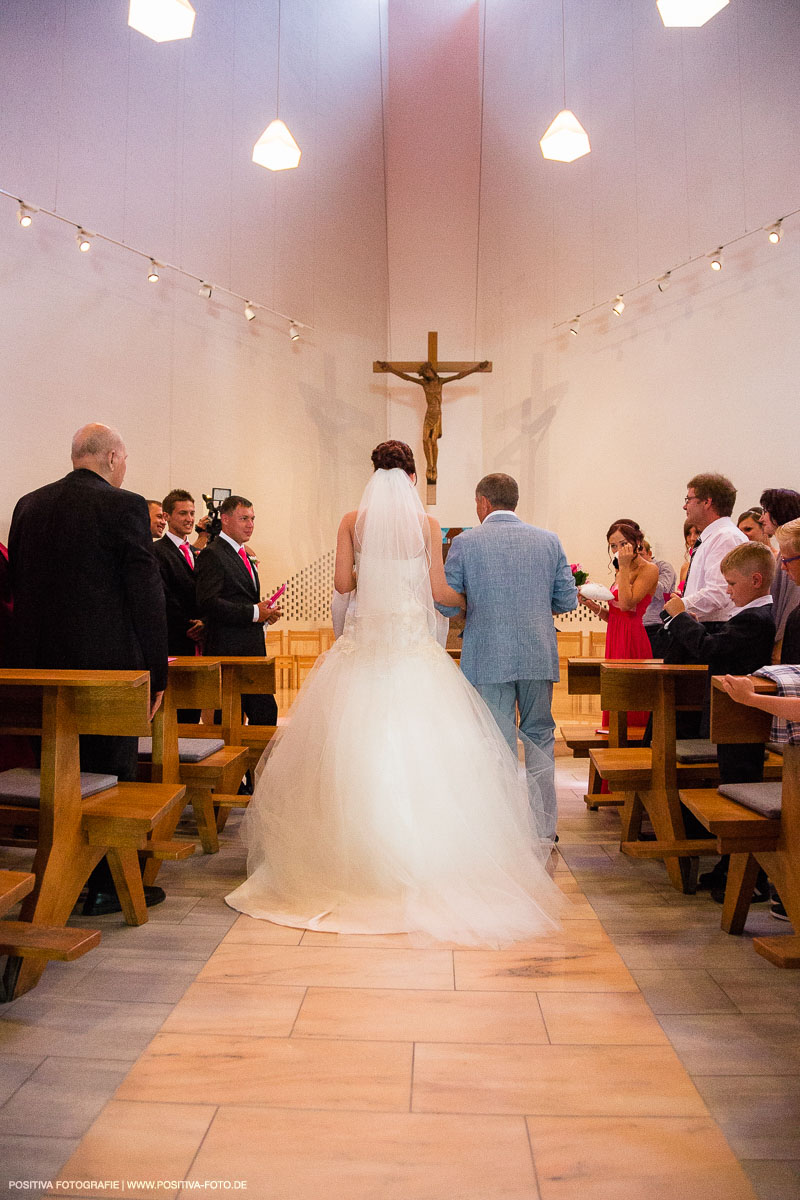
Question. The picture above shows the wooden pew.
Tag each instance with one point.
(72, 834)
(241, 675)
(192, 682)
(652, 776)
(753, 840)
(583, 679)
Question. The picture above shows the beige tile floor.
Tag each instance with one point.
(638, 1053)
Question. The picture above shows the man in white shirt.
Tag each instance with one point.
(708, 505)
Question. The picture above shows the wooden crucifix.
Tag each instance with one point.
(426, 374)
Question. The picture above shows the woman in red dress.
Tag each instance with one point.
(634, 583)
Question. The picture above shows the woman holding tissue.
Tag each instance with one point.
(635, 581)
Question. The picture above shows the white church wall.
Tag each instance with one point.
(695, 139)
(150, 145)
(433, 171)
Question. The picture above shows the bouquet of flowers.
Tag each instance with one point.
(578, 574)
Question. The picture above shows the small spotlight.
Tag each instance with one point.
(205, 291)
(618, 306)
(716, 260)
(82, 238)
(773, 233)
(294, 331)
(24, 216)
(249, 311)
(152, 274)
(664, 281)
(575, 326)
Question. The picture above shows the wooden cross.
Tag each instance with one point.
(427, 376)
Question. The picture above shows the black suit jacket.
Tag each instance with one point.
(178, 579)
(740, 647)
(226, 595)
(87, 592)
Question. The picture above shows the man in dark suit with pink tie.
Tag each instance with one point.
(228, 596)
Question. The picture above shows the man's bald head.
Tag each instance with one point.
(100, 448)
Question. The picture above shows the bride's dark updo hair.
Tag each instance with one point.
(393, 454)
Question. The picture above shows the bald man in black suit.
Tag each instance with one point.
(88, 595)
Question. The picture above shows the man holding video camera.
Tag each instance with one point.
(228, 593)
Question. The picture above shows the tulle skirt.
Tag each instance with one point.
(391, 803)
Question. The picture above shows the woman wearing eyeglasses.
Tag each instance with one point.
(788, 536)
(781, 507)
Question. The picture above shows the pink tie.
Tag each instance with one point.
(246, 561)
(187, 554)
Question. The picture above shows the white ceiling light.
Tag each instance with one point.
(575, 326)
(716, 259)
(205, 291)
(152, 273)
(82, 238)
(294, 331)
(773, 233)
(565, 138)
(25, 215)
(249, 311)
(276, 149)
(618, 306)
(688, 14)
(162, 20)
(664, 281)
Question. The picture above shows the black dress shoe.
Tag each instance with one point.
(103, 903)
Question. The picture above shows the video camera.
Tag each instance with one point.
(213, 521)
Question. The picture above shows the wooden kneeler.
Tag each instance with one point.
(20, 939)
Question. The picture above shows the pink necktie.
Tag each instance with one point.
(246, 561)
(187, 554)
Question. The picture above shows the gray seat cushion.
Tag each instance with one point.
(21, 785)
(695, 750)
(764, 798)
(190, 750)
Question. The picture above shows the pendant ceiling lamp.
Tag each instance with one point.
(565, 139)
(688, 14)
(162, 20)
(276, 149)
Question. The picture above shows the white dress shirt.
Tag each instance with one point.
(173, 537)
(706, 596)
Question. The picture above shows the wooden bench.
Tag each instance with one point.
(193, 682)
(240, 675)
(72, 834)
(753, 840)
(652, 777)
(583, 679)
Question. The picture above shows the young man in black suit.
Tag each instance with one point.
(87, 594)
(738, 646)
(176, 562)
(228, 593)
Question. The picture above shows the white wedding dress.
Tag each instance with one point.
(391, 802)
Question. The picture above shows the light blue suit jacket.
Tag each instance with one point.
(515, 576)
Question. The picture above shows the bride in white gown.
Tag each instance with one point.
(391, 802)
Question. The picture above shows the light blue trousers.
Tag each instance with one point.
(533, 698)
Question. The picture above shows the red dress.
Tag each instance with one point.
(626, 638)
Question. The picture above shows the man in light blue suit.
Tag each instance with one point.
(515, 577)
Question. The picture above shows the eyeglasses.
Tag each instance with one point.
(784, 561)
(688, 499)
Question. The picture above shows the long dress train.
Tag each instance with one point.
(391, 802)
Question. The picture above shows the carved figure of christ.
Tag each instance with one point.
(427, 376)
